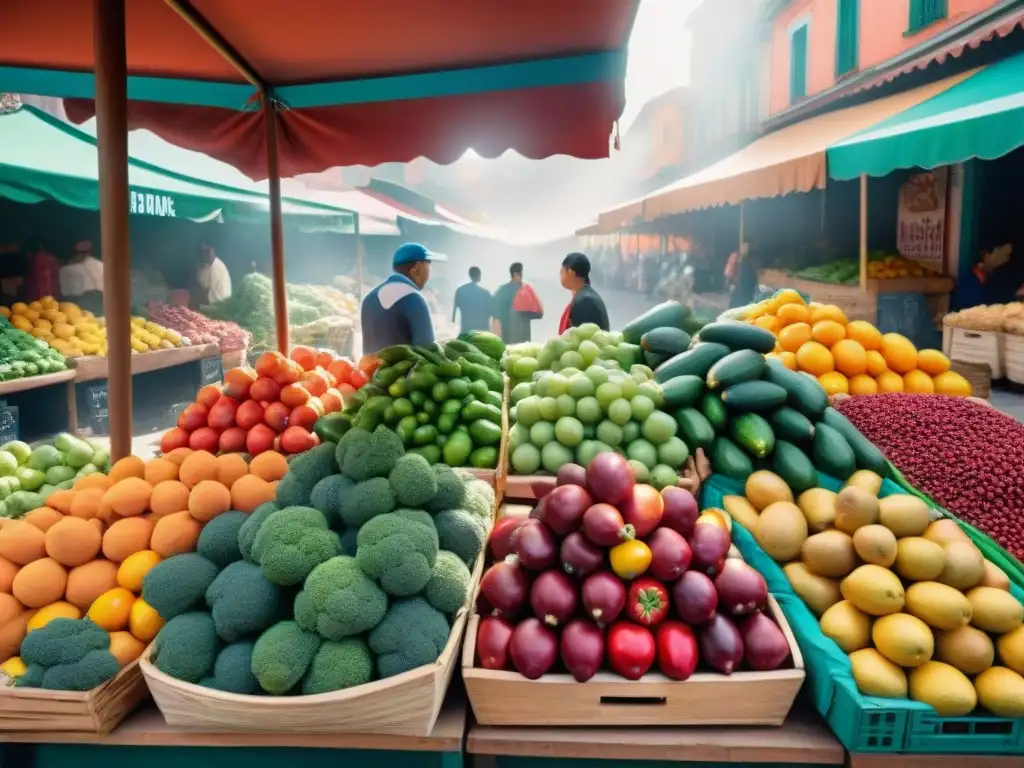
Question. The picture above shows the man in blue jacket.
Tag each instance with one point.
(395, 312)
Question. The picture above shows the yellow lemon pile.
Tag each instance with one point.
(897, 266)
(147, 336)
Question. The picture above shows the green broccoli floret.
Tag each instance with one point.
(460, 532)
(329, 496)
(479, 500)
(449, 583)
(413, 481)
(232, 670)
(247, 533)
(242, 601)
(339, 665)
(412, 634)
(93, 669)
(355, 436)
(366, 501)
(218, 541)
(186, 647)
(349, 540)
(398, 549)
(282, 655)
(451, 490)
(178, 584)
(63, 641)
(32, 678)
(304, 473)
(292, 543)
(373, 457)
(339, 600)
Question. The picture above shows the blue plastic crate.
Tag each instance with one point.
(864, 723)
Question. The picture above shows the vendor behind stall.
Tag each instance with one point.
(82, 274)
(213, 277)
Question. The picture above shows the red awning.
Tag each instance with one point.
(359, 83)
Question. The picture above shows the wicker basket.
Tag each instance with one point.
(1013, 350)
(978, 375)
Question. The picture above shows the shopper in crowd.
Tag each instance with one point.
(473, 304)
(213, 277)
(395, 312)
(586, 305)
(82, 274)
(516, 305)
(741, 276)
(42, 274)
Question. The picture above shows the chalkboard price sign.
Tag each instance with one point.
(211, 371)
(99, 415)
(9, 426)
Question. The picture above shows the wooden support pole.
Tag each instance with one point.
(276, 226)
(111, 65)
(357, 350)
(863, 233)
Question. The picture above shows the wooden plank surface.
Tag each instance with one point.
(776, 278)
(865, 760)
(93, 368)
(804, 739)
(35, 382)
(146, 728)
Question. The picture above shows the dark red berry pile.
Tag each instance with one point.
(967, 457)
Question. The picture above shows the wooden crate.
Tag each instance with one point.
(743, 698)
(967, 346)
(97, 711)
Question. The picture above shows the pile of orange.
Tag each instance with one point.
(851, 357)
(87, 551)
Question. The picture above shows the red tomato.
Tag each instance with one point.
(294, 395)
(222, 415)
(296, 440)
(304, 356)
(324, 358)
(647, 602)
(316, 383)
(268, 363)
(677, 650)
(173, 438)
(205, 439)
(289, 373)
(249, 414)
(238, 381)
(630, 649)
(368, 364)
(233, 440)
(208, 396)
(193, 417)
(260, 438)
(341, 368)
(358, 379)
(276, 417)
(331, 400)
(265, 389)
(346, 391)
(304, 416)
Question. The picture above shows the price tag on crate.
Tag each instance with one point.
(99, 414)
(211, 371)
(9, 425)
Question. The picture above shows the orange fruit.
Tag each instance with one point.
(134, 569)
(793, 313)
(850, 357)
(863, 385)
(932, 362)
(58, 610)
(828, 312)
(918, 382)
(110, 610)
(125, 648)
(876, 363)
(789, 360)
(953, 384)
(899, 352)
(794, 336)
(864, 333)
(788, 296)
(889, 382)
(834, 383)
(143, 621)
(814, 358)
(769, 323)
(828, 332)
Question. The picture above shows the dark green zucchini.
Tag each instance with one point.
(682, 391)
(804, 393)
(729, 459)
(753, 396)
(665, 341)
(738, 335)
(696, 361)
(694, 429)
(831, 453)
(753, 432)
(865, 452)
(790, 424)
(714, 410)
(744, 365)
(668, 314)
(793, 465)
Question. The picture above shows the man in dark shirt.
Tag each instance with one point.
(473, 302)
(512, 326)
(395, 312)
(586, 305)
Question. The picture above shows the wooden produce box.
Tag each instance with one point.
(97, 711)
(969, 346)
(706, 698)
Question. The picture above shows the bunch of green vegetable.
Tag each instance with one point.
(28, 475)
(21, 354)
(354, 573)
(67, 655)
(444, 401)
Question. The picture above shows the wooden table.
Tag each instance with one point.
(93, 368)
(36, 382)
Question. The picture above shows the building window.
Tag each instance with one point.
(798, 63)
(924, 13)
(847, 36)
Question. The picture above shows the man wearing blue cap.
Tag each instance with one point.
(395, 312)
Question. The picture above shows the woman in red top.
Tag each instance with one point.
(586, 305)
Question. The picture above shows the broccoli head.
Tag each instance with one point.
(186, 647)
(329, 496)
(451, 490)
(178, 584)
(413, 481)
(412, 634)
(292, 543)
(93, 669)
(308, 469)
(449, 583)
(372, 456)
(232, 670)
(398, 550)
(367, 500)
(479, 500)
(218, 541)
(282, 655)
(356, 436)
(460, 532)
(242, 601)
(251, 526)
(63, 641)
(339, 600)
(32, 677)
(339, 665)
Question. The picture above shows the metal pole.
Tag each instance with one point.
(863, 233)
(111, 65)
(276, 226)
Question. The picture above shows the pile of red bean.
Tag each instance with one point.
(966, 456)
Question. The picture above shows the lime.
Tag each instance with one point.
(528, 411)
(640, 472)
(608, 393)
(662, 476)
(641, 373)
(8, 463)
(439, 392)
(659, 427)
(525, 459)
(620, 411)
(519, 391)
(588, 410)
(597, 374)
(588, 351)
(403, 407)
(642, 407)
(630, 431)
(569, 431)
(542, 433)
(556, 347)
(600, 338)
(19, 450)
(518, 435)
(459, 388)
(673, 452)
(570, 372)
(610, 433)
(524, 367)
(587, 330)
(571, 359)
(554, 385)
(548, 408)
(651, 390)
(581, 386)
(566, 405)
(642, 451)
(554, 456)
(588, 449)
(629, 388)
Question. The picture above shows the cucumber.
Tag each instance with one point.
(831, 453)
(654, 359)
(682, 391)
(791, 464)
(753, 432)
(729, 459)
(714, 411)
(695, 430)
(738, 335)
(744, 365)
(804, 392)
(750, 396)
(696, 361)
(790, 424)
(865, 452)
(668, 314)
(665, 341)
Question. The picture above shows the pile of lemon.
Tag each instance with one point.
(852, 358)
(148, 336)
(895, 265)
